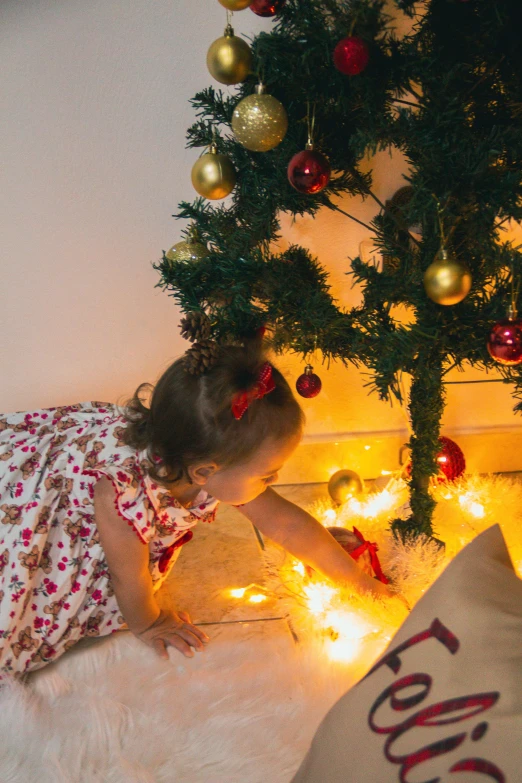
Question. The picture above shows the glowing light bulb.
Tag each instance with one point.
(299, 567)
(350, 629)
(330, 514)
(257, 598)
(355, 506)
(344, 650)
(474, 508)
(319, 596)
(373, 505)
(238, 592)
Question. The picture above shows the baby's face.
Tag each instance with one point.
(242, 483)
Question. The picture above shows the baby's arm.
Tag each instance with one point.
(128, 561)
(305, 538)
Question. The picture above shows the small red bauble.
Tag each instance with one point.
(505, 341)
(351, 55)
(309, 171)
(266, 7)
(308, 384)
(451, 459)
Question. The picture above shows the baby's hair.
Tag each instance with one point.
(190, 419)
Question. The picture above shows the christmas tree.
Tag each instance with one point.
(448, 95)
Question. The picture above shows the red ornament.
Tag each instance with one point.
(308, 384)
(309, 171)
(505, 341)
(359, 549)
(351, 55)
(266, 7)
(451, 459)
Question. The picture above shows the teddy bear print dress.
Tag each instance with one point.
(55, 587)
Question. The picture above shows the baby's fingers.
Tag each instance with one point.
(175, 640)
(202, 636)
(159, 647)
(192, 635)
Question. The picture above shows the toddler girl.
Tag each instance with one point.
(96, 501)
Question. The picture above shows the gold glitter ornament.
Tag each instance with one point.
(235, 5)
(447, 281)
(344, 484)
(259, 121)
(190, 249)
(213, 175)
(229, 58)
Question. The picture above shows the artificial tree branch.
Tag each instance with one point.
(398, 222)
(338, 209)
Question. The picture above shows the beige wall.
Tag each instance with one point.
(94, 109)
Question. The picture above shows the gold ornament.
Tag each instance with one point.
(343, 485)
(447, 281)
(229, 58)
(235, 5)
(259, 121)
(190, 249)
(213, 175)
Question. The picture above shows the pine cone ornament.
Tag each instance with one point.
(201, 357)
(195, 327)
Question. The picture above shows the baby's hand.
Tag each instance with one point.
(173, 629)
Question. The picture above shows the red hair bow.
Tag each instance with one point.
(264, 385)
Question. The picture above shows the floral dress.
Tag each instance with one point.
(55, 586)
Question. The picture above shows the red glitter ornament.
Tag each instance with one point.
(505, 340)
(351, 55)
(308, 384)
(451, 459)
(266, 7)
(309, 171)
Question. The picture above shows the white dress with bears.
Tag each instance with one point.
(55, 586)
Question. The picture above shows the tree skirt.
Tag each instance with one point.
(112, 712)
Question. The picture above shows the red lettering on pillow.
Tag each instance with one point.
(443, 713)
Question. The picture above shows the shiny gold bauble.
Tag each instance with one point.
(259, 121)
(235, 5)
(229, 58)
(447, 281)
(343, 485)
(213, 175)
(189, 249)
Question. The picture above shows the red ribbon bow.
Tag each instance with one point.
(367, 546)
(264, 385)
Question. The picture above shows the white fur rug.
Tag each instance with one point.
(244, 711)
